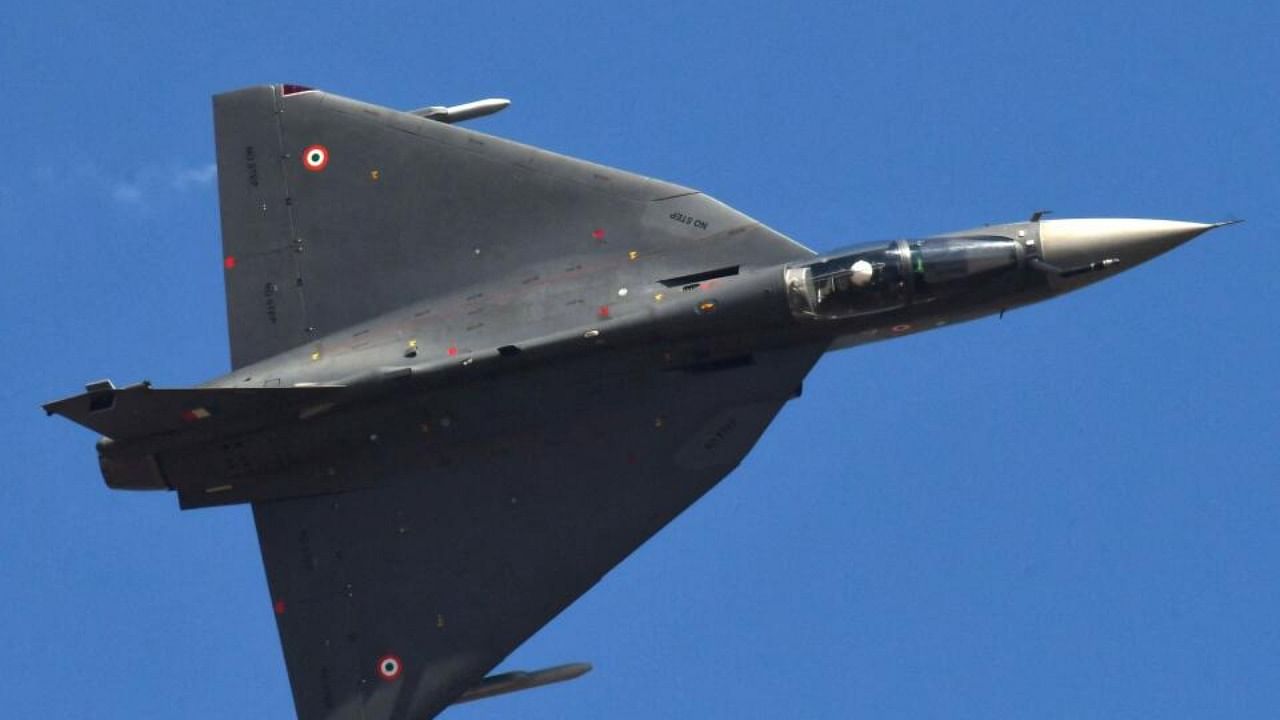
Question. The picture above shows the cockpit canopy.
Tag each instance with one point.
(885, 276)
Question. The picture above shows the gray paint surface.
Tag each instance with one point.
(420, 210)
(471, 376)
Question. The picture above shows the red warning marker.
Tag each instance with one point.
(598, 233)
(315, 158)
(389, 667)
(453, 350)
(901, 328)
(229, 262)
(603, 312)
(279, 606)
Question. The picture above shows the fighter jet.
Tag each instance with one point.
(471, 376)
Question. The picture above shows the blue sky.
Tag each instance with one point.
(1070, 512)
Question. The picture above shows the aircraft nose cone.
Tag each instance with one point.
(1075, 242)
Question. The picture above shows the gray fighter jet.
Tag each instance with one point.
(471, 376)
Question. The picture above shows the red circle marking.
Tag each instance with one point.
(901, 328)
(229, 262)
(598, 233)
(389, 667)
(315, 158)
(453, 350)
(279, 607)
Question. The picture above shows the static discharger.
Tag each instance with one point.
(510, 682)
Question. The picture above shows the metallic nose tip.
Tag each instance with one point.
(1069, 243)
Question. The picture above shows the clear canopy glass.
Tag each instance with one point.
(885, 276)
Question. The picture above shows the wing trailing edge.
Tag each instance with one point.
(140, 412)
(198, 441)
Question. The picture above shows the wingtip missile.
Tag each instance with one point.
(466, 111)
(510, 682)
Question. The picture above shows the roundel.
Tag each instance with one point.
(315, 157)
(389, 667)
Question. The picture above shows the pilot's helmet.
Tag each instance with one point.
(862, 272)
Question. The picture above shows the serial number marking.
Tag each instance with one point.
(720, 434)
(688, 220)
(251, 164)
(268, 294)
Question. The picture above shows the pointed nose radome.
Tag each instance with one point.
(1077, 242)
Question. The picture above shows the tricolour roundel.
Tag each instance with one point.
(389, 667)
(315, 157)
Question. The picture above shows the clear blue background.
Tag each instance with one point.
(1070, 512)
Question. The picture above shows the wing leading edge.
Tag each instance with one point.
(394, 601)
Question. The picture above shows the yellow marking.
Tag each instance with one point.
(706, 307)
(439, 620)
(658, 297)
(413, 344)
(374, 174)
(633, 255)
(315, 355)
